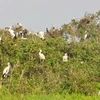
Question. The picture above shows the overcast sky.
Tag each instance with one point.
(36, 15)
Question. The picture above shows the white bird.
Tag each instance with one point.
(98, 23)
(6, 70)
(85, 36)
(41, 55)
(65, 58)
(41, 35)
(73, 19)
(11, 32)
(19, 25)
(53, 26)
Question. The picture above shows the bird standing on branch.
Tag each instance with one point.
(6, 70)
(41, 56)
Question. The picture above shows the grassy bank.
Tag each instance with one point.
(48, 97)
(6, 95)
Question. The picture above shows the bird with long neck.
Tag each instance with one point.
(41, 56)
(6, 70)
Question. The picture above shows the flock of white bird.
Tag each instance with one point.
(42, 58)
(14, 34)
(41, 34)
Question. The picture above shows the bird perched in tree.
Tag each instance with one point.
(85, 36)
(11, 31)
(41, 35)
(6, 70)
(73, 19)
(41, 55)
(19, 25)
(65, 58)
(53, 27)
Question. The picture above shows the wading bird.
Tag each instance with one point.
(6, 70)
(41, 56)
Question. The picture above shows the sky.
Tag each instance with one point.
(37, 15)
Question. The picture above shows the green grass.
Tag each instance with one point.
(6, 95)
(47, 97)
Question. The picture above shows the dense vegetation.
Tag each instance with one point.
(80, 74)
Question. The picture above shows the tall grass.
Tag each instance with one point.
(6, 95)
(48, 97)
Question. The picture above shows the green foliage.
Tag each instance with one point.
(80, 74)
